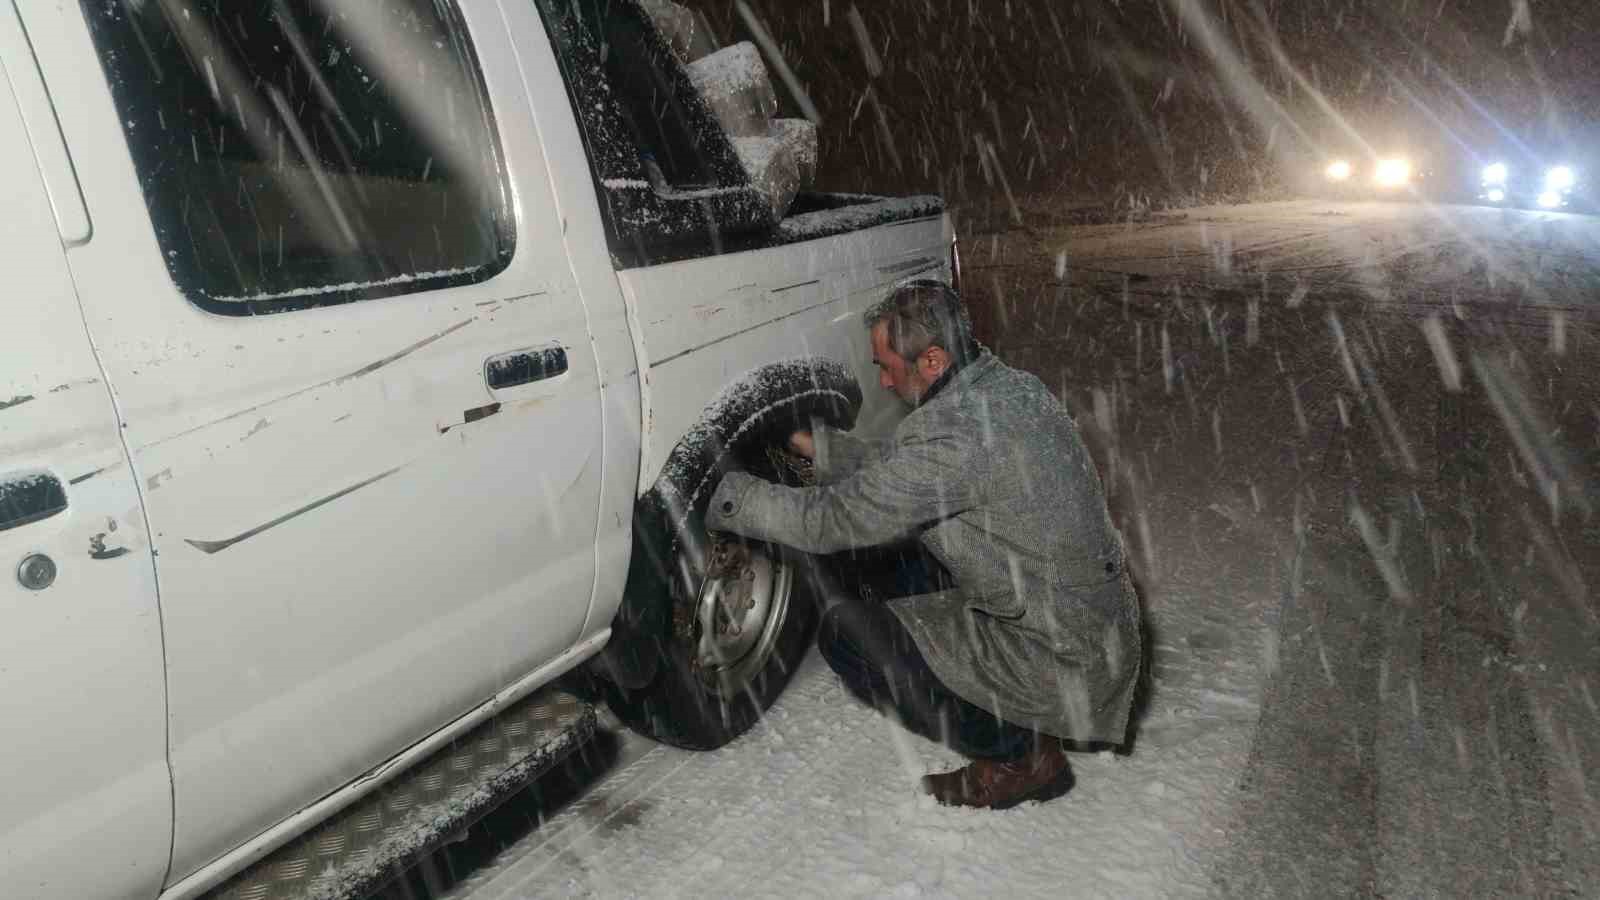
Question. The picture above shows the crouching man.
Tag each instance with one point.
(1023, 636)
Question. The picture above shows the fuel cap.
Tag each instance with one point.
(37, 572)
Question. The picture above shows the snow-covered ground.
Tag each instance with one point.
(1373, 645)
(821, 800)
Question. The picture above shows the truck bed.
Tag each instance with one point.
(813, 215)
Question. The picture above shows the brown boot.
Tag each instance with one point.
(1001, 784)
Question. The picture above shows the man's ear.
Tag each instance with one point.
(934, 361)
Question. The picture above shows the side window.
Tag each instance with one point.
(298, 153)
(668, 179)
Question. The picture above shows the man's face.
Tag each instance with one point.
(908, 381)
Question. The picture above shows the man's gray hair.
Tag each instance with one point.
(922, 314)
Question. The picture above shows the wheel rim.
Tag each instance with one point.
(743, 603)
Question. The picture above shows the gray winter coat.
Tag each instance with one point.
(991, 474)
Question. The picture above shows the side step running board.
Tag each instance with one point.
(379, 837)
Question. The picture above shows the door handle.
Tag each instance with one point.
(28, 497)
(524, 366)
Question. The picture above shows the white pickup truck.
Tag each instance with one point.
(364, 367)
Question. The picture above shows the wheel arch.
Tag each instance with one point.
(762, 406)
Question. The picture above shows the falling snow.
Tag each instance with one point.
(1348, 427)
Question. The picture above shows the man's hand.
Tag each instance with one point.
(804, 444)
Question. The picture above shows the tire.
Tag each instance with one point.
(740, 615)
(699, 707)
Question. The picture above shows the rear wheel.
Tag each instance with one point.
(740, 613)
(743, 614)
(736, 617)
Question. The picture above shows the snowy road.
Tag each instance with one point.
(1353, 448)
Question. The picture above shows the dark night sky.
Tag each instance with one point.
(1094, 97)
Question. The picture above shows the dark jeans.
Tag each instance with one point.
(878, 661)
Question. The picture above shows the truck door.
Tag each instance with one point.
(360, 392)
(81, 695)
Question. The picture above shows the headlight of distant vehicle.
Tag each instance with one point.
(1495, 173)
(1338, 170)
(1395, 172)
(1560, 178)
(1550, 199)
(1495, 195)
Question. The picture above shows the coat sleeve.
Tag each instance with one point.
(841, 454)
(926, 478)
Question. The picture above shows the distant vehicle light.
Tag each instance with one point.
(1495, 173)
(1496, 195)
(1560, 178)
(1339, 170)
(1392, 173)
(1549, 199)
